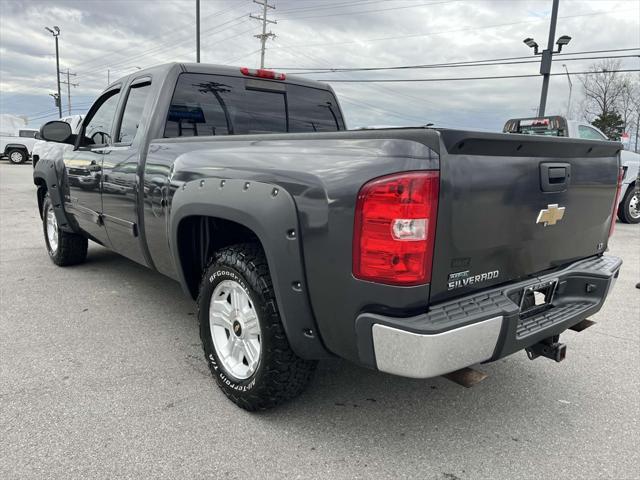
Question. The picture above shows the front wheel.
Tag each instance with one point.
(17, 156)
(629, 209)
(242, 334)
(64, 248)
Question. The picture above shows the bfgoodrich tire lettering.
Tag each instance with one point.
(64, 248)
(280, 374)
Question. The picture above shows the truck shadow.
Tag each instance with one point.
(347, 403)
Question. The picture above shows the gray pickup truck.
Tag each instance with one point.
(413, 251)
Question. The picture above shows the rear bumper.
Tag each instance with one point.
(485, 326)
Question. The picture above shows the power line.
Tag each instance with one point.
(454, 65)
(456, 79)
(331, 6)
(416, 35)
(162, 48)
(100, 59)
(363, 12)
(484, 60)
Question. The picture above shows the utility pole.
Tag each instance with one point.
(264, 35)
(56, 32)
(69, 85)
(197, 31)
(570, 89)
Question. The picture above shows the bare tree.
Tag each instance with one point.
(628, 99)
(602, 89)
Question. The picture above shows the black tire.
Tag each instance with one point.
(17, 156)
(71, 248)
(625, 213)
(280, 375)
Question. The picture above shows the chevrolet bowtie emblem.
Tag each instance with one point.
(550, 215)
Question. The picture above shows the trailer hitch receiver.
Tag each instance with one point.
(549, 348)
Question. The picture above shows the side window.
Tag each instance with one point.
(136, 101)
(97, 129)
(312, 110)
(589, 133)
(199, 107)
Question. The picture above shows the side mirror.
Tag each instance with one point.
(57, 131)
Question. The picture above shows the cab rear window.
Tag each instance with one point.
(553, 126)
(204, 105)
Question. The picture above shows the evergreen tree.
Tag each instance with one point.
(611, 124)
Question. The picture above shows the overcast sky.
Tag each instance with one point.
(101, 38)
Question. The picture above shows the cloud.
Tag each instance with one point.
(103, 39)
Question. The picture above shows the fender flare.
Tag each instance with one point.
(45, 171)
(17, 146)
(270, 212)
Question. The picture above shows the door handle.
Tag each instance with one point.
(554, 176)
(557, 174)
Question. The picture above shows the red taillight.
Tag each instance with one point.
(394, 231)
(616, 199)
(262, 73)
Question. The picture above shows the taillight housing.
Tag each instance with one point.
(263, 73)
(616, 200)
(394, 230)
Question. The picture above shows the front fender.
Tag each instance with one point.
(270, 212)
(48, 172)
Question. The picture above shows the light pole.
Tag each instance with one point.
(547, 54)
(570, 88)
(56, 32)
(197, 31)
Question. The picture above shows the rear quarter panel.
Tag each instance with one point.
(323, 174)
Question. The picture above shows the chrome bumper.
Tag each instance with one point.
(485, 326)
(422, 356)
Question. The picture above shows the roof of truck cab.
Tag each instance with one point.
(214, 69)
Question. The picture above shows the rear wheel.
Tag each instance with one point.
(17, 156)
(629, 209)
(64, 248)
(242, 334)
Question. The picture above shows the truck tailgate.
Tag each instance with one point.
(501, 199)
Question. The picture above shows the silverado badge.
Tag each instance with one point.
(550, 215)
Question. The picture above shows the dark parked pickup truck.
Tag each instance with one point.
(414, 251)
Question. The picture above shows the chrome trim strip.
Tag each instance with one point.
(414, 355)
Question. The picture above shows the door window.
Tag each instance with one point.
(97, 130)
(590, 133)
(136, 101)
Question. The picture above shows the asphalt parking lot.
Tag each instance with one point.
(102, 376)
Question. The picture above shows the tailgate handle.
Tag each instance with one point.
(554, 177)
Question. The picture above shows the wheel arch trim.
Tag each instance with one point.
(270, 213)
(45, 176)
(15, 146)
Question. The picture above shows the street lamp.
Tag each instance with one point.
(530, 42)
(570, 88)
(56, 32)
(547, 54)
(562, 41)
